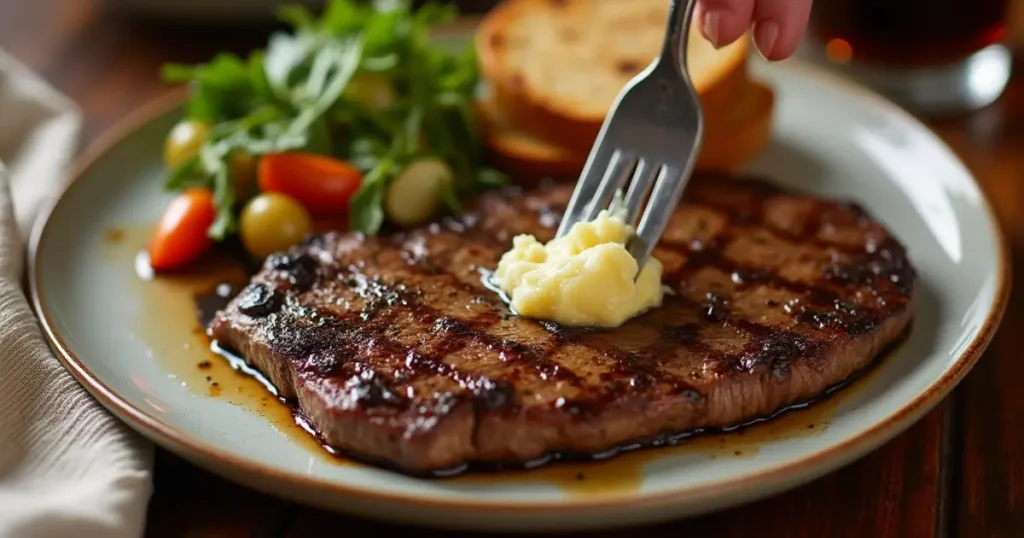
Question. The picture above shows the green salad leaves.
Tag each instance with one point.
(363, 83)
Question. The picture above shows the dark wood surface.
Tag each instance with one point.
(959, 472)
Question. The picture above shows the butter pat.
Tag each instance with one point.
(584, 278)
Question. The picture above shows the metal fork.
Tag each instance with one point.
(651, 137)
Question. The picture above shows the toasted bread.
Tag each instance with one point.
(521, 155)
(556, 67)
(733, 136)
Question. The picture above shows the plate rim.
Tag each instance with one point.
(829, 458)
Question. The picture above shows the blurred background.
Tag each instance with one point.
(936, 57)
(237, 10)
(233, 10)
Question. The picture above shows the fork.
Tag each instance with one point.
(651, 138)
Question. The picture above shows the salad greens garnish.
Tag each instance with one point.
(363, 83)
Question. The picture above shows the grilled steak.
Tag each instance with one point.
(395, 351)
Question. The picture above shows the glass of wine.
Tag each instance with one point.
(933, 56)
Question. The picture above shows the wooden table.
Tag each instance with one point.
(959, 472)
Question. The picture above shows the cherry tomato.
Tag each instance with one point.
(243, 172)
(272, 222)
(180, 236)
(184, 142)
(322, 184)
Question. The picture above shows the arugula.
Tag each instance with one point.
(298, 94)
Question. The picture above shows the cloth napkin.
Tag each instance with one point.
(67, 467)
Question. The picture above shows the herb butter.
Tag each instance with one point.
(586, 277)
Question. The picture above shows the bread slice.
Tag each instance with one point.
(521, 155)
(733, 136)
(557, 65)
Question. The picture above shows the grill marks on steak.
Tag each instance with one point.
(396, 351)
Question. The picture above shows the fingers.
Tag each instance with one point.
(779, 26)
(724, 21)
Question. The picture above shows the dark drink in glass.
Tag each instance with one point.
(934, 55)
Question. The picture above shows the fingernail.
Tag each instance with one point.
(711, 27)
(766, 33)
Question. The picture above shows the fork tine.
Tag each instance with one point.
(667, 191)
(586, 187)
(614, 177)
(639, 187)
(655, 117)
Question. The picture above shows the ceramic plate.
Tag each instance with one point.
(134, 345)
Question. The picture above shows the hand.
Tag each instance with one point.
(779, 25)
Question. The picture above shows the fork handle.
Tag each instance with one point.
(677, 36)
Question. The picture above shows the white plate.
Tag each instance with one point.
(830, 138)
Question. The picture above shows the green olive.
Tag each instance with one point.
(415, 195)
(371, 90)
(272, 222)
(184, 142)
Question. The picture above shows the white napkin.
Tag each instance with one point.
(67, 467)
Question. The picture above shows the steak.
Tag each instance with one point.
(396, 352)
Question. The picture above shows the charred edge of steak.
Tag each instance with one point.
(298, 269)
(449, 401)
(259, 300)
